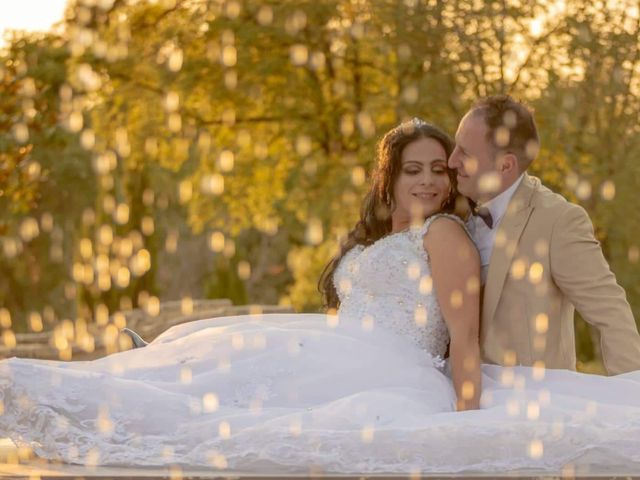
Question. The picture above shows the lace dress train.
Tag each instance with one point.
(364, 392)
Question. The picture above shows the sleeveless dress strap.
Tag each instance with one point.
(417, 233)
(422, 231)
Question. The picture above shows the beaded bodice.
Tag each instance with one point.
(388, 284)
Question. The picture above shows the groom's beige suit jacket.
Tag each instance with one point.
(546, 262)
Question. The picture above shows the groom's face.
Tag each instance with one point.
(473, 159)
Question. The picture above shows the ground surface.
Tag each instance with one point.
(21, 465)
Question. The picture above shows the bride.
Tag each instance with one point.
(365, 391)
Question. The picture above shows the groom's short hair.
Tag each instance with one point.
(511, 127)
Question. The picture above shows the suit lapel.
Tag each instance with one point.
(507, 237)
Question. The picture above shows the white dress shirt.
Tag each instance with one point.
(483, 236)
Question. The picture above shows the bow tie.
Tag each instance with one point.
(484, 213)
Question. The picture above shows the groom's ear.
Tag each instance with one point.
(509, 163)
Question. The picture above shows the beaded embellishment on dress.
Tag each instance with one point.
(388, 284)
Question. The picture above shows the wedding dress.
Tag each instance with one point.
(365, 391)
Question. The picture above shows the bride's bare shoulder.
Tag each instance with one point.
(446, 233)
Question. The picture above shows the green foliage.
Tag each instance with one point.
(45, 180)
(306, 263)
(224, 282)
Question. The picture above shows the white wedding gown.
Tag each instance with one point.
(363, 392)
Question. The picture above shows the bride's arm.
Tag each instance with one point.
(455, 267)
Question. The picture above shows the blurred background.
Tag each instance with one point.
(166, 152)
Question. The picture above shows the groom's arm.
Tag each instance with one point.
(580, 270)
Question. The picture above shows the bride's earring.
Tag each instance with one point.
(449, 200)
(389, 202)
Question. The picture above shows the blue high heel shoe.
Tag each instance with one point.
(137, 340)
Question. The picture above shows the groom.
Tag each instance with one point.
(539, 256)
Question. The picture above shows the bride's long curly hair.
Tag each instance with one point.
(378, 203)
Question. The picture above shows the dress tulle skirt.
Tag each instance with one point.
(285, 393)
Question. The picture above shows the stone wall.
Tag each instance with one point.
(80, 341)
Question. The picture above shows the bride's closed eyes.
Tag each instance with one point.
(437, 167)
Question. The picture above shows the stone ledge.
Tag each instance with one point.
(105, 338)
